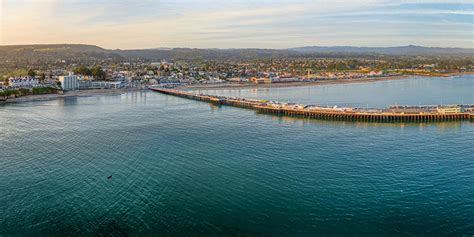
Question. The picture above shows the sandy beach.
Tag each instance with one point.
(78, 93)
(312, 83)
(290, 84)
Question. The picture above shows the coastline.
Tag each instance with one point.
(222, 86)
(248, 85)
(289, 84)
(77, 93)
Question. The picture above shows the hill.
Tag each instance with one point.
(401, 50)
(80, 53)
(55, 53)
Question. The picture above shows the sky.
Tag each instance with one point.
(134, 24)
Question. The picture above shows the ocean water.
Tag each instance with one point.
(422, 91)
(186, 168)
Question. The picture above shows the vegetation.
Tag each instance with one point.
(82, 70)
(8, 92)
(31, 73)
(98, 73)
(15, 72)
(5, 94)
(44, 90)
(38, 56)
(42, 77)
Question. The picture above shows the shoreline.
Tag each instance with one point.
(222, 86)
(69, 94)
(248, 85)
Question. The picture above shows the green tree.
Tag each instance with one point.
(42, 77)
(82, 70)
(98, 73)
(31, 73)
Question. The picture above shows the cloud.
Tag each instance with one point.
(238, 23)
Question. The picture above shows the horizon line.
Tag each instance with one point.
(183, 47)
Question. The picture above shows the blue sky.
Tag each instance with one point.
(129, 24)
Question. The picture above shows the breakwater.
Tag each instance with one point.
(429, 113)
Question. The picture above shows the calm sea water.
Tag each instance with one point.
(186, 168)
(422, 91)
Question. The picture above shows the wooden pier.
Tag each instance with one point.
(422, 114)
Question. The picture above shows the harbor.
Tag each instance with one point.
(396, 113)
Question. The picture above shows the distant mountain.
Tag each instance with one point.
(54, 53)
(310, 51)
(401, 50)
(52, 48)
(214, 54)
(81, 53)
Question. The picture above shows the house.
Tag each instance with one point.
(23, 82)
(375, 73)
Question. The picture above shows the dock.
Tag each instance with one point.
(427, 113)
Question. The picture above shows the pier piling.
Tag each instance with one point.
(420, 114)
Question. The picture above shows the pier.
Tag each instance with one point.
(430, 113)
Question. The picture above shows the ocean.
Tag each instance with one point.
(148, 164)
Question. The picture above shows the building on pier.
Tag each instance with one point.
(449, 109)
(391, 114)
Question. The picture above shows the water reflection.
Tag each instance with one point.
(215, 107)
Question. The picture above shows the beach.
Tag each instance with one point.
(77, 93)
(290, 84)
(309, 83)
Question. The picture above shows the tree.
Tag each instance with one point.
(31, 73)
(151, 68)
(82, 70)
(7, 93)
(98, 73)
(42, 77)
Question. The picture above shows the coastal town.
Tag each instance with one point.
(141, 75)
(237, 118)
(174, 77)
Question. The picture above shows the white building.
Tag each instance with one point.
(284, 79)
(69, 82)
(238, 79)
(22, 81)
(84, 84)
(108, 84)
(375, 73)
(449, 109)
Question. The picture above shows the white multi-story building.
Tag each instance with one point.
(69, 82)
